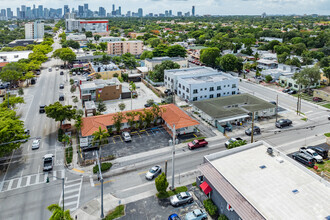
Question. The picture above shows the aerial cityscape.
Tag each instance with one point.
(163, 109)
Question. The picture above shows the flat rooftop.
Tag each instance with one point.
(270, 190)
(191, 71)
(207, 79)
(160, 59)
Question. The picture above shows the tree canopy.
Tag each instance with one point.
(158, 74)
(209, 56)
(60, 112)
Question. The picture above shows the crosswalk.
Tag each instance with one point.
(72, 190)
(30, 180)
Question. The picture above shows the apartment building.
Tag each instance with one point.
(34, 30)
(200, 83)
(122, 47)
(86, 25)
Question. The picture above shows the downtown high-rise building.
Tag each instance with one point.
(193, 11)
(140, 12)
(102, 12)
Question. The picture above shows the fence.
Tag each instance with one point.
(155, 90)
(154, 83)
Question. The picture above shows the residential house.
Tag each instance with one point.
(107, 71)
(267, 64)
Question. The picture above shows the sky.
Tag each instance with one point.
(213, 7)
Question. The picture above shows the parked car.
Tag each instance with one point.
(197, 214)
(153, 172)
(291, 92)
(49, 69)
(174, 217)
(61, 86)
(73, 73)
(328, 116)
(256, 130)
(27, 131)
(56, 68)
(181, 199)
(61, 73)
(320, 151)
(311, 153)
(197, 143)
(304, 159)
(286, 90)
(232, 140)
(35, 144)
(61, 97)
(42, 109)
(48, 162)
(317, 99)
(283, 123)
(126, 136)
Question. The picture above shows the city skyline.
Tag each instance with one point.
(211, 7)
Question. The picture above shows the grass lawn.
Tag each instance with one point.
(325, 167)
(326, 105)
(190, 140)
(117, 212)
(327, 134)
(172, 193)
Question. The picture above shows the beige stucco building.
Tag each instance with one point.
(122, 47)
(151, 63)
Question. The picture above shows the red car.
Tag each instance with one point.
(317, 99)
(197, 143)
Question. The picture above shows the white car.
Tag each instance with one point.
(35, 144)
(56, 68)
(126, 136)
(153, 172)
(312, 154)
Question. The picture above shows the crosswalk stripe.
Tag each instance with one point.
(70, 197)
(10, 184)
(71, 181)
(45, 177)
(63, 174)
(19, 182)
(54, 175)
(71, 191)
(28, 180)
(37, 178)
(66, 204)
(68, 186)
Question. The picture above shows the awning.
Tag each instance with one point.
(205, 187)
(233, 118)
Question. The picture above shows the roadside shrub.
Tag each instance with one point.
(268, 78)
(104, 167)
(68, 154)
(71, 81)
(222, 217)
(115, 75)
(210, 207)
(73, 89)
(60, 134)
(194, 184)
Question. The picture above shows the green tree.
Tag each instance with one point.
(118, 119)
(12, 101)
(268, 78)
(176, 51)
(160, 50)
(121, 106)
(209, 56)
(308, 76)
(325, 62)
(130, 116)
(272, 44)
(103, 46)
(146, 54)
(89, 34)
(71, 43)
(101, 107)
(158, 74)
(11, 76)
(298, 48)
(58, 213)
(161, 184)
(60, 112)
(326, 71)
(280, 49)
(247, 51)
(65, 54)
(97, 37)
(148, 117)
(100, 137)
(282, 57)
(294, 62)
(20, 91)
(132, 88)
(153, 42)
(11, 130)
(78, 123)
(228, 62)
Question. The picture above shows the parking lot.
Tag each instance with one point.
(142, 140)
(153, 208)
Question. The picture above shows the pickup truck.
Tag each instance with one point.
(197, 143)
(48, 162)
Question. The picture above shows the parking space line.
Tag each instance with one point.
(113, 140)
(135, 132)
(142, 172)
(195, 135)
(160, 130)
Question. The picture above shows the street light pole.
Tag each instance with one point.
(276, 107)
(101, 180)
(173, 155)
(252, 128)
(63, 193)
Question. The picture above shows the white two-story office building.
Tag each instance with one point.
(195, 84)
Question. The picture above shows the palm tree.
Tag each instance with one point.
(132, 88)
(58, 213)
(100, 137)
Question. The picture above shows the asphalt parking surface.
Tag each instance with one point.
(153, 208)
(324, 146)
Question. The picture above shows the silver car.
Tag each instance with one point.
(181, 198)
(35, 144)
(153, 172)
(126, 136)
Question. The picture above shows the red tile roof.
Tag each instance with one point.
(172, 115)
(3, 64)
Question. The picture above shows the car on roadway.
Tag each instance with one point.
(49, 69)
(197, 214)
(153, 172)
(283, 123)
(320, 151)
(232, 140)
(126, 136)
(73, 73)
(317, 99)
(42, 109)
(61, 73)
(256, 130)
(286, 90)
(291, 92)
(272, 102)
(56, 68)
(328, 116)
(35, 144)
(181, 199)
(304, 159)
(311, 153)
(48, 162)
(174, 217)
(197, 143)
(61, 86)
(61, 97)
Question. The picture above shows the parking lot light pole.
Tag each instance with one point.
(173, 155)
(101, 180)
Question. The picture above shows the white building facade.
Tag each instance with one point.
(87, 25)
(34, 30)
(195, 84)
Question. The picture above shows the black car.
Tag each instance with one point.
(61, 86)
(42, 109)
(61, 73)
(272, 102)
(304, 159)
(256, 130)
(320, 151)
(283, 123)
(61, 97)
(292, 92)
(286, 90)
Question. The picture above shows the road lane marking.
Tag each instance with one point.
(63, 174)
(10, 184)
(71, 185)
(70, 203)
(195, 135)
(37, 178)
(54, 175)
(28, 180)
(91, 181)
(142, 172)
(79, 192)
(45, 178)
(109, 181)
(80, 171)
(70, 197)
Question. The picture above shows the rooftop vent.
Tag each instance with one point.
(295, 191)
(262, 167)
(270, 150)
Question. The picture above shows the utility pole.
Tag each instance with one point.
(173, 155)
(63, 193)
(101, 180)
(252, 128)
(166, 168)
(276, 110)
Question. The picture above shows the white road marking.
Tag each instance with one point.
(63, 173)
(54, 175)
(4, 177)
(45, 177)
(28, 181)
(37, 178)
(70, 197)
(79, 192)
(77, 184)
(91, 181)
(70, 203)
(70, 191)
(10, 184)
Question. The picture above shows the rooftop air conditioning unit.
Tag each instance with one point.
(270, 151)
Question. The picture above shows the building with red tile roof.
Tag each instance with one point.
(172, 115)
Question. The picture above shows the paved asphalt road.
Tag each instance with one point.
(30, 202)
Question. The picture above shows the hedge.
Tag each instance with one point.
(68, 154)
(104, 167)
(210, 207)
